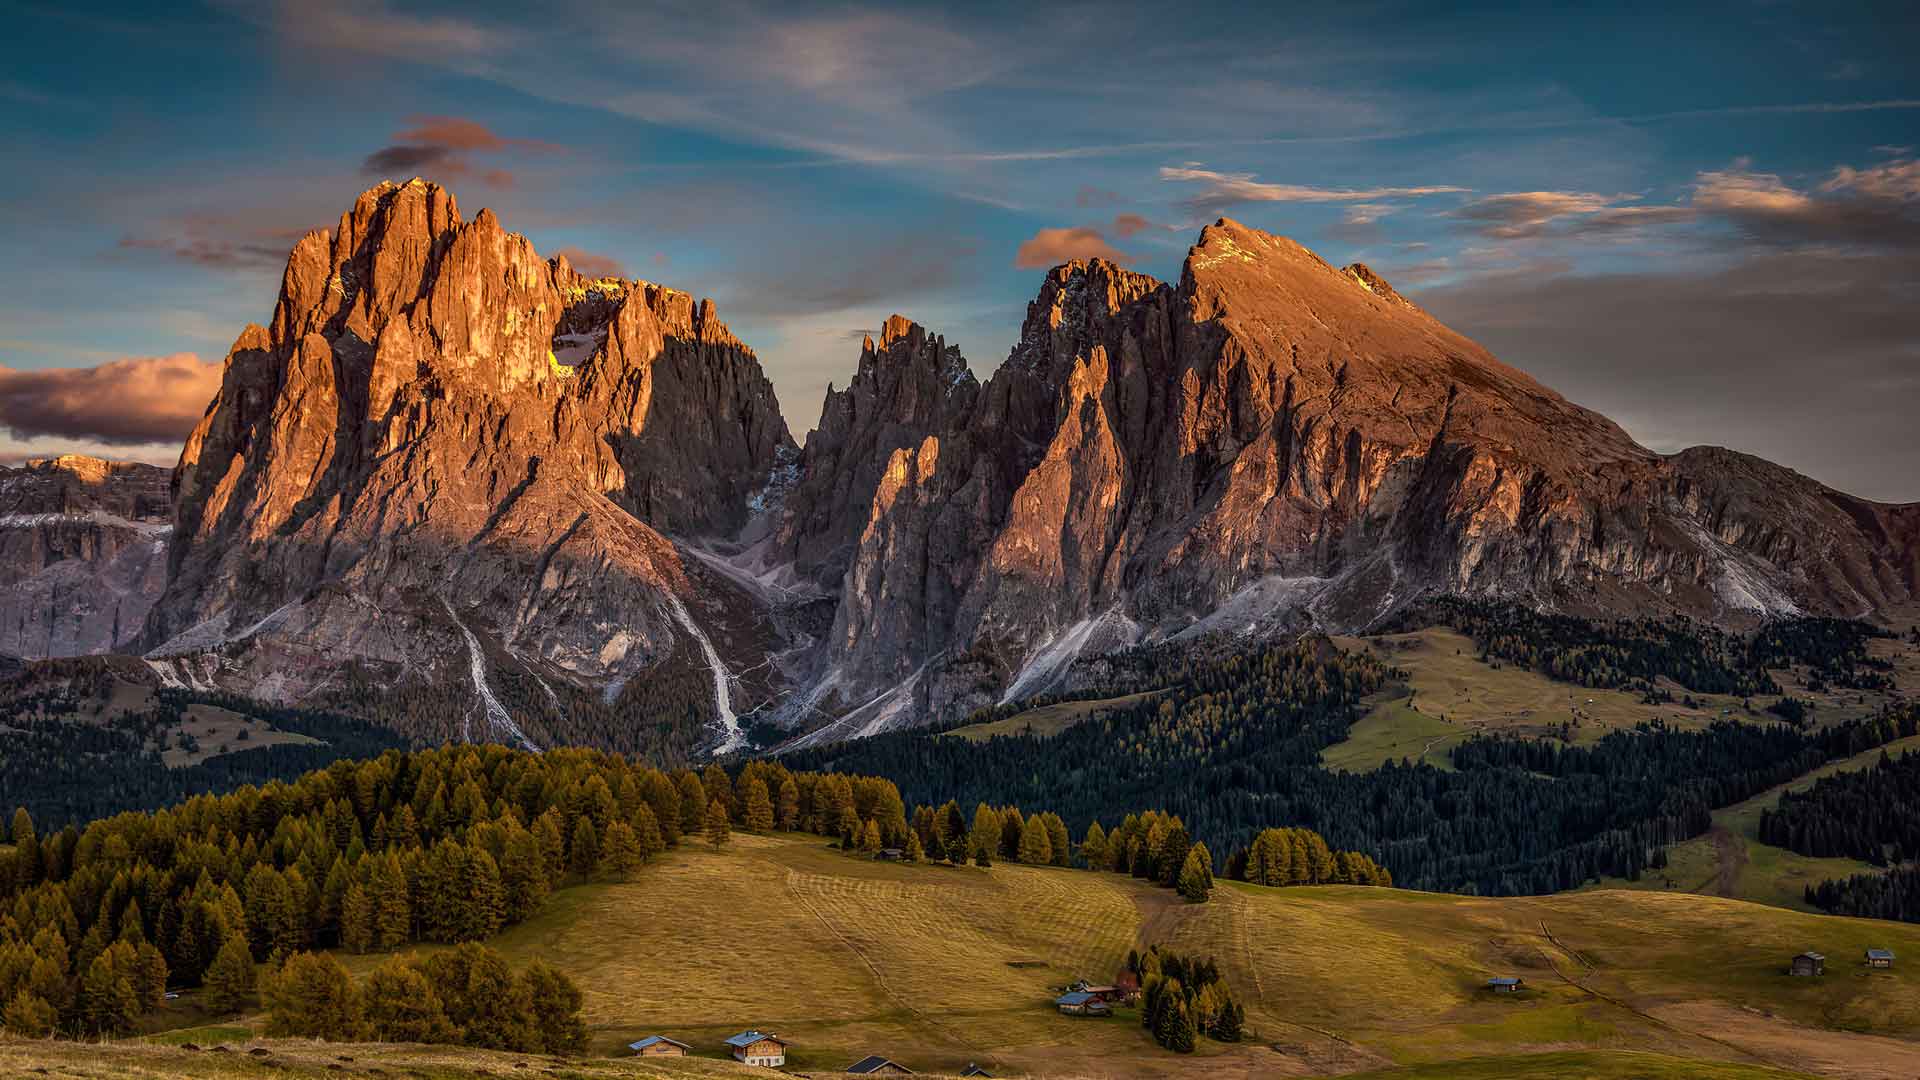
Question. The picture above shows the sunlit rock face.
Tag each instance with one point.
(446, 459)
(1272, 444)
(400, 472)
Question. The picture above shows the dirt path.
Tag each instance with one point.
(1730, 856)
(1582, 982)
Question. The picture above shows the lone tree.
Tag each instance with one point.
(719, 828)
(1196, 876)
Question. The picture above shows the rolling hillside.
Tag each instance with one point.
(937, 966)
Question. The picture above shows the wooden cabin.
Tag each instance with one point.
(1505, 984)
(659, 1046)
(1880, 958)
(1809, 964)
(875, 1065)
(975, 1070)
(1081, 1003)
(758, 1048)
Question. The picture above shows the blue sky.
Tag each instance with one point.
(1705, 223)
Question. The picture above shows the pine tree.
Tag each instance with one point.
(230, 977)
(149, 976)
(523, 876)
(584, 855)
(1057, 839)
(1196, 876)
(718, 829)
(789, 805)
(1094, 851)
(1231, 1023)
(983, 841)
(555, 1002)
(108, 1003)
(693, 803)
(914, 853)
(401, 1005)
(26, 848)
(758, 808)
(312, 996)
(870, 838)
(356, 920)
(620, 853)
(1036, 849)
(1179, 1027)
(28, 1016)
(392, 905)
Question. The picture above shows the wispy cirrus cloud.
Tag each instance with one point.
(1220, 190)
(133, 401)
(1522, 215)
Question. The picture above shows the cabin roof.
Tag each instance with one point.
(874, 1063)
(748, 1038)
(1078, 997)
(652, 1039)
(1503, 980)
(1879, 954)
(1811, 956)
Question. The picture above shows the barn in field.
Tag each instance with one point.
(659, 1046)
(1808, 964)
(1880, 958)
(758, 1048)
(875, 1065)
(1505, 984)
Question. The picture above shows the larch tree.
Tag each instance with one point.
(718, 829)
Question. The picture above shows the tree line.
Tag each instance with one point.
(1633, 653)
(1232, 747)
(64, 765)
(447, 846)
(1868, 814)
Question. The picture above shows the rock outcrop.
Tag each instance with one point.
(1275, 444)
(83, 554)
(401, 478)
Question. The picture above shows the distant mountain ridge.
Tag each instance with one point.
(82, 553)
(449, 462)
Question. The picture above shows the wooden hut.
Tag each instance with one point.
(875, 1065)
(1081, 1003)
(1880, 958)
(1505, 984)
(758, 1048)
(659, 1046)
(1809, 964)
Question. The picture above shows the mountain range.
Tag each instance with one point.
(448, 462)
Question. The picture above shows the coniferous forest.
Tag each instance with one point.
(1232, 745)
(450, 846)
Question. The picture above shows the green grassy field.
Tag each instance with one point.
(939, 966)
(1046, 720)
(1449, 695)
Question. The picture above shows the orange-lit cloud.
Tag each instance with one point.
(589, 264)
(141, 399)
(1051, 247)
(443, 146)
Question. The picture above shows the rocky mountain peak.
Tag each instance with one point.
(406, 439)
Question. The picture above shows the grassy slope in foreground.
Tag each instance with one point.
(292, 1059)
(938, 966)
